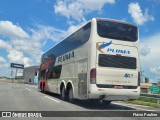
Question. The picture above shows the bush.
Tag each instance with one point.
(152, 100)
(153, 104)
(146, 103)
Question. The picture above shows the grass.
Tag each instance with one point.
(152, 100)
(144, 101)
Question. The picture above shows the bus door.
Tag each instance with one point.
(54, 78)
(82, 78)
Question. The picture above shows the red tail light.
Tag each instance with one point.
(93, 76)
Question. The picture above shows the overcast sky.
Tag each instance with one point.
(30, 27)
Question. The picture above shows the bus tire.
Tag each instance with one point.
(63, 94)
(106, 102)
(41, 88)
(70, 95)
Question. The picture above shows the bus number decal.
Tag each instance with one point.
(128, 75)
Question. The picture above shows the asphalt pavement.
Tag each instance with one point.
(24, 97)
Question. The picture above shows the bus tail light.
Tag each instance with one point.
(139, 78)
(93, 76)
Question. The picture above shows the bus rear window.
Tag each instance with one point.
(118, 31)
(117, 61)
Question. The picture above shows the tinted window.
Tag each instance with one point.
(72, 42)
(55, 72)
(43, 74)
(117, 61)
(118, 31)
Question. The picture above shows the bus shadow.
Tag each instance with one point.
(100, 106)
(93, 105)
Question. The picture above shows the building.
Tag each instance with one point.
(31, 74)
(145, 87)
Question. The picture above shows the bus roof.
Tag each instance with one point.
(101, 19)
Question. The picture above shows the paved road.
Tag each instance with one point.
(23, 97)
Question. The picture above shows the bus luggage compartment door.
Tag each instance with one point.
(82, 85)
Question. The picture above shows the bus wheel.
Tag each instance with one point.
(41, 88)
(70, 95)
(63, 94)
(106, 102)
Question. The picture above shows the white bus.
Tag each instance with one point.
(100, 61)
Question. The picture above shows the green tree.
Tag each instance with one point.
(146, 80)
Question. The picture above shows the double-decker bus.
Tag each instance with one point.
(100, 61)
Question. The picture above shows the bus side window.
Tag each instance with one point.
(43, 74)
(56, 72)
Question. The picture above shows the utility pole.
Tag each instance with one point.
(16, 73)
(11, 75)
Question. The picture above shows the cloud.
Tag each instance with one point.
(13, 54)
(145, 50)
(70, 9)
(7, 28)
(72, 28)
(76, 9)
(4, 67)
(30, 47)
(18, 57)
(47, 32)
(28, 50)
(30, 43)
(150, 59)
(2, 60)
(37, 40)
(155, 70)
(93, 5)
(137, 15)
(5, 45)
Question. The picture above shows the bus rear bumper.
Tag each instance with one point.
(112, 94)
